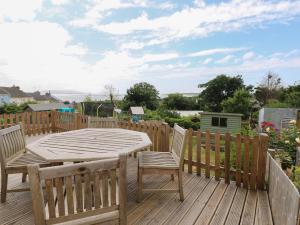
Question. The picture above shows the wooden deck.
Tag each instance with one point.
(206, 202)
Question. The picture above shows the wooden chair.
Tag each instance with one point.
(82, 193)
(163, 163)
(14, 158)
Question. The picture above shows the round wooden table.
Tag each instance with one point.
(89, 144)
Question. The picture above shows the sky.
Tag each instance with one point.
(83, 45)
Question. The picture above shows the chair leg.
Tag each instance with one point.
(4, 178)
(24, 175)
(180, 186)
(140, 185)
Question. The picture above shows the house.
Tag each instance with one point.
(4, 97)
(223, 122)
(17, 96)
(46, 98)
(45, 107)
(136, 112)
(280, 117)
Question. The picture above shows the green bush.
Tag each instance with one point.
(185, 122)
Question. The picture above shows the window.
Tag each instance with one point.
(223, 122)
(219, 122)
(215, 121)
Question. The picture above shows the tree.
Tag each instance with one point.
(218, 89)
(111, 93)
(241, 102)
(141, 94)
(269, 88)
(291, 95)
(177, 101)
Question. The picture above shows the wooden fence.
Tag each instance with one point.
(233, 157)
(283, 195)
(34, 123)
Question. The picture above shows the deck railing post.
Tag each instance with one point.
(53, 121)
(262, 160)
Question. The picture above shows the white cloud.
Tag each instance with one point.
(100, 9)
(60, 2)
(215, 51)
(202, 21)
(248, 55)
(261, 65)
(16, 10)
(207, 61)
(225, 59)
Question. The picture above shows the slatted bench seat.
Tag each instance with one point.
(14, 158)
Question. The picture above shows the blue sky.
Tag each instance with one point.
(175, 45)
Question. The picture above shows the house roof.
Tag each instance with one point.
(14, 92)
(3, 92)
(47, 106)
(220, 114)
(46, 97)
(137, 110)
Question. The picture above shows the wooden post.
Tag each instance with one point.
(190, 150)
(262, 160)
(227, 158)
(53, 121)
(37, 195)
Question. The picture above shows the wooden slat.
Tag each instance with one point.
(78, 191)
(207, 154)
(246, 162)
(190, 150)
(227, 158)
(97, 194)
(238, 160)
(199, 136)
(69, 193)
(217, 156)
(253, 177)
(50, 198)
(60, 196)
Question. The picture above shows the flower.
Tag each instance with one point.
(297, 140)
(287, 141)
(292, 122)
(268, 129)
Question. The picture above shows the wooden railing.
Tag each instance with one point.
(283, 195)
(34, 123)
(232, 157)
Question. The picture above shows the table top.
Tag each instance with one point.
(89, 144)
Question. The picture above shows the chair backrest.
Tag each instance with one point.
(96, 122)
(12, 142)
(89, 192)
(177, 144)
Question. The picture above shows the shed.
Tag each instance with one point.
(280, 117)
(223, 122)
(136, 113)
(45, 107)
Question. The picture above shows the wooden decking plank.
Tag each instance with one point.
(191, 216)
(237, 206)
(263, 214)
(224, 206)
(209, 210)
(175, 207)
(171, 204)
(156, 202)
(248, 215)
(198, 198)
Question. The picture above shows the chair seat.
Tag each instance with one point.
(24, 159)
(160, 160)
